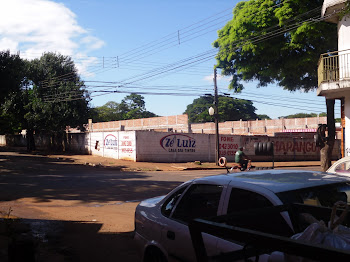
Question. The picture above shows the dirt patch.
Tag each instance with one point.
(127, 165)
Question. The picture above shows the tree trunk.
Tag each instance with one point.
(30, 140)
(326, 150)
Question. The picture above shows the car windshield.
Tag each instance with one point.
(343, 167)
(324, 196)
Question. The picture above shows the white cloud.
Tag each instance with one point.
(37, 26)
(219, 77)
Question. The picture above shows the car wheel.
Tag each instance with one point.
(153, 254)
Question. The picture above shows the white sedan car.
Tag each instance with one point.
(161, 223)
(341, 167)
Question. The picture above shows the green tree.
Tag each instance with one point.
(132, 106)
(289, 58)
(108, 112)
(260, 44)
(263, 117)
(12, 74)
(12, 82)
(53, 99)
(230, 109)
(303, 115)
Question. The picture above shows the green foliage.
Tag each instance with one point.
(246, 52)
(108, 112)
(229, 109)
(263, 117)
(12, 74)
(12, 80)
(36, 104)
(131, 107)
(346, 10)
(303, 115)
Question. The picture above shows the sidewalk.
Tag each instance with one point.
(125, 165)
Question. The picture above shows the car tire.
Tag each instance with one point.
(153, 254)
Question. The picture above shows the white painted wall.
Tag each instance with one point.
(2, 140)
(172, 147)
(184, 147)
(118, 145)
(344, 47)
(347, 124)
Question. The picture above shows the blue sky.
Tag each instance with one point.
(132, 45)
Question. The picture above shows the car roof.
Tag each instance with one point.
(277, 180)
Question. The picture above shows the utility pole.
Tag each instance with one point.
(216, 115)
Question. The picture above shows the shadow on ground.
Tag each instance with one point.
(43, 178)
(52, 240)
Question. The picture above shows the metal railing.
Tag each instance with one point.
(334, 66)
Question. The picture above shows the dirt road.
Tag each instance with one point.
(60, 190)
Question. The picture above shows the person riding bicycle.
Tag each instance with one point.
(242, 159)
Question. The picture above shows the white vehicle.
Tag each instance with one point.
(161, 223)
(341, 167)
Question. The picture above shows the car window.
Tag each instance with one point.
(199, 201)
(241, 199)
(250, 210)
(325, 196)
(169, 204)
(343, 167)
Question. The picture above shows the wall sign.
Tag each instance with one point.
(178, 143)
(111, 142)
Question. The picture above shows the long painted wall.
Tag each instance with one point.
(184, 147)
(181, 147)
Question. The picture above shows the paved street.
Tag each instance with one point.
(104, 198)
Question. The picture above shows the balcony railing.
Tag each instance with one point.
(334, 66)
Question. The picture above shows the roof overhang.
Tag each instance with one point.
(334, 90)
(329, 7)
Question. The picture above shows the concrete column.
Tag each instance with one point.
(347, 124)
(343, 47)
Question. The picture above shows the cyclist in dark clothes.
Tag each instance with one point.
(242, 159)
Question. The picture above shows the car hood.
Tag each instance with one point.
(151, 202)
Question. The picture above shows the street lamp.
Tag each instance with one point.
(213, 112)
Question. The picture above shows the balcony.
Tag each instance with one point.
(334, 72)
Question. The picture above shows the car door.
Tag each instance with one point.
(199, 200)
(243, 199)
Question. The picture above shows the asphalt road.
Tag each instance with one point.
(52, 192)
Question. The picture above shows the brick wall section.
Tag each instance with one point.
(259, 127)
(178, 123)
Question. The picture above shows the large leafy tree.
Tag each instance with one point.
(57, 98)
(273, 41)
(132, 106)
(12, 82)
(229, 109)
(108, 112)
(52, 99)
(303, 115)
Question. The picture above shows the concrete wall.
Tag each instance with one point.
(2, 140)
(170, 147)
(177, 123)
(119, 145)
(259, 127)
(182, 147)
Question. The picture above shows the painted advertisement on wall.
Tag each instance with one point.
(172, 147)
(118, 145)
(110, 144)
(127, 145)
(228, 146)
(178, 143)
(184, 147)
